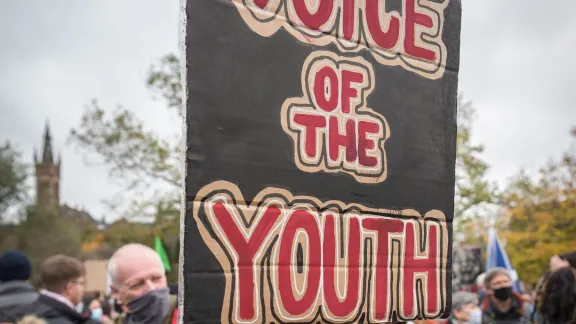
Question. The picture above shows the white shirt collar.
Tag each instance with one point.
(58, 297)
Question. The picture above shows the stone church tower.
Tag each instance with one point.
(47, 177)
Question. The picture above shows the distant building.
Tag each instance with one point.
(48, 186)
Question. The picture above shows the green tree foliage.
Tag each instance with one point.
(13, 189)
(473, 190)
(43, 234)
(164, 78)
(541, 216)
(147, 165)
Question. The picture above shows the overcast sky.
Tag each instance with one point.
(516, 67)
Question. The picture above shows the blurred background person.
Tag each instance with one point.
(560, 261)
(502, 304)
(15, 289)
(465, 309)
(559, 299)
(480, 288)
(94, 309)
(63, 281)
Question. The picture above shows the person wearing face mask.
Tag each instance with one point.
(138, 281)
(93, 309)
(502, 304)
(481, 290)
(465, 309)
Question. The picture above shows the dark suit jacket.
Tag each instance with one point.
(56, 312)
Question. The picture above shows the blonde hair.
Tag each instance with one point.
(31, 319)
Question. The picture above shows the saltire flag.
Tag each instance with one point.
(496, 257)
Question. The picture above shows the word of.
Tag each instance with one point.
(410, 37)
(332, 129)
(296, 259)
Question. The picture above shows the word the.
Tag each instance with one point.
(295, 259)
(332, 129)
(410, 37)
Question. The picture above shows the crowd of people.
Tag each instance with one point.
(139, 290)
(140, 294)
(553, 301)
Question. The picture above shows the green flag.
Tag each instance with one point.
(159, 248)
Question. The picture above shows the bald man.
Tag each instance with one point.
(138, 281)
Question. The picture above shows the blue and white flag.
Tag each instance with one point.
(496, 257)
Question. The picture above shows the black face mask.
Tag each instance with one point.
(503, 293)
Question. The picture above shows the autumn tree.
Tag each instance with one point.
(13, 189)
(541, 216)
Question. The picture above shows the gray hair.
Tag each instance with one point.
(493, 273)
(463, 298)
(128, 250)
(480, 279)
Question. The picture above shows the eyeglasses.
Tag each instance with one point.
(79, 282)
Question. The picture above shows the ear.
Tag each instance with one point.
(66, 289)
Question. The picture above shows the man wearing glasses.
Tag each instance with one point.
(63, 287)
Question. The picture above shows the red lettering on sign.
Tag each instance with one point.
(346, 139)
(326, 74)
(383, 39)
(261, 3)
(349, 91)
(332, 129)
(298, 303)
(382, 262)
(245, 248)
(313, 20)
(336, 271)
(367, 138)
(414, 18)
(348, 19)
(303, 260)
(410, 37)
(311, 123)
(420, 263)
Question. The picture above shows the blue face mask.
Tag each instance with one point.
(476, 316)
(96, 313)
(530, 308)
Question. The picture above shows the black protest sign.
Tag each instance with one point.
(320, 151)
(466, 267)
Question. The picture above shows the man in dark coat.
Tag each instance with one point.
(15, 290)
(64, 284)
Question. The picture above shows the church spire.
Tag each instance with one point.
(47, 156)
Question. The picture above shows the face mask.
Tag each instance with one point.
(96, 313)
(503, 293)
(530, 308)
(152, 307)
(476, 316)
